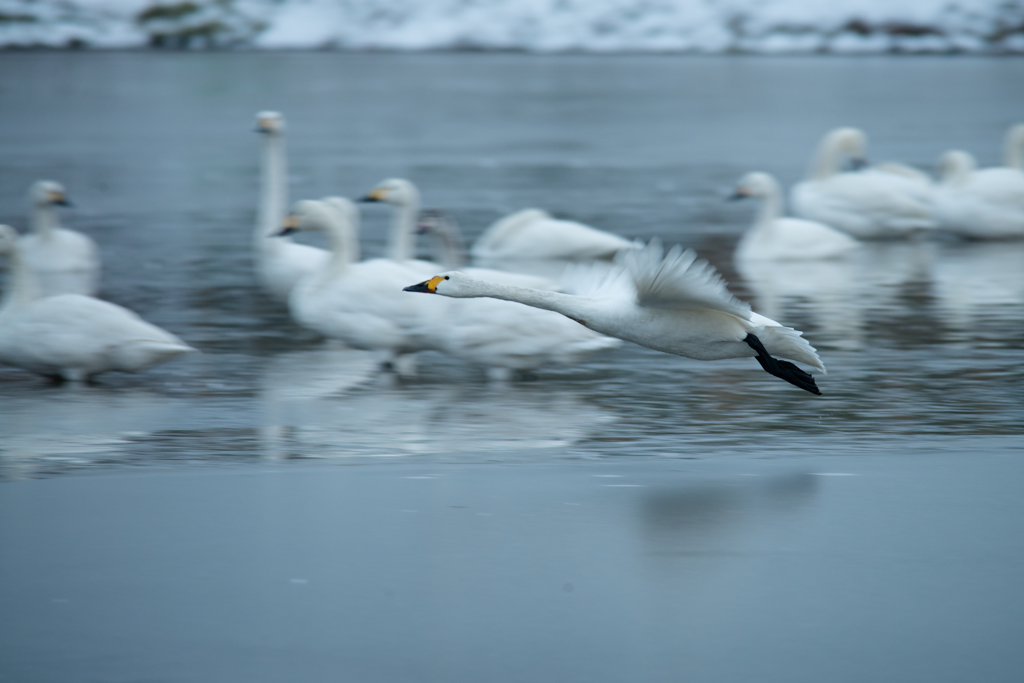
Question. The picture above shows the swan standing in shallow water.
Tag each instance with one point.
(980, 204)
(674, 303)
(879, 203)
(64, 261)
(71, 336)
(774, 237)
(280, 263)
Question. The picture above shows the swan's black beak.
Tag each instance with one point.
(428, 287)
(284, 232)
(63, 201)
(289, 225)
(736, 196)
(367, 198)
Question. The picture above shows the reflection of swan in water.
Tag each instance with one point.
(386, 421)
(53, 429)
(971, 280)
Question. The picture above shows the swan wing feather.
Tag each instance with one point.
(679, 280)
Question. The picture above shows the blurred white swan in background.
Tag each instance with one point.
(64, 261)
(280, 263)
(72, 336)
(979, 204)
(360, 303)
(889, 201)
(535, 234)
(773, 237)
(674, 303)
(530, 234)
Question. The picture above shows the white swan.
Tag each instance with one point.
(1013, 147)
(280, 263)
(674, 303)
(879, 203)
(360, 303)
(773, 237)
(979, 204)
(535, 234)
(64, 261)
(71, 336)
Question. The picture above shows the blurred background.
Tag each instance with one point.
(275, 507)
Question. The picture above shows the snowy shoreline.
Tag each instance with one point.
(535, 26)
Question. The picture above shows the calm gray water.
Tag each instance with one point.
(635, 517)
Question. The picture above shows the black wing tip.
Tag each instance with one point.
(782, 369)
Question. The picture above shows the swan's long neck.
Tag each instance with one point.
(1014, 148)
(569, 305)
(770, 210)
(343, 243)
(403, 229)
(826, 161)
(449, 242)
(22, 287)
(273, 189)
(44, 219)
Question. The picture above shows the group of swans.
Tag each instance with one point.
(887, 201)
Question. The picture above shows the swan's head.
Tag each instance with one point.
(453, 284)
(48, 193)
(849, 141)
(269, 122)
(8, 239)
(308, 214)
(955, 166)
(345, 207)
(756, 185)
(395, 191)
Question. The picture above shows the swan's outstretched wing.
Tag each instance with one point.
(679, 280)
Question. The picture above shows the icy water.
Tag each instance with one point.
(276, 509)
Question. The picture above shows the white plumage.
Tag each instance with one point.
(885, 202)
(72, 336)
(64, 261)
(672, 302)
(979, 204)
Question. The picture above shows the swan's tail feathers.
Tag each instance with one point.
(140, 354)
(781, 368)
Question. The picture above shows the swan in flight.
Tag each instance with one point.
(773, 237)
(979, 204)
(280, 263)
(672, 302)
(72, 336)
(885, 202)
(64, 261)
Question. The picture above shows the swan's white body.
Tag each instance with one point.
(364, 305)
(73, 336)
(280, 263)
(673, 303)
(772, 237)
(533, 234)
(979, 204)
(64, 261)
(878, 203)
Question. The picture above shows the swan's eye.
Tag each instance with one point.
(447, 278)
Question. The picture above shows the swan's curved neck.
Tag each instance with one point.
(1014, 149)
(450, 245)
(826, 161)
(770, 210)
(44, 220)
(273, 189)
(403, 229)
(22, 287)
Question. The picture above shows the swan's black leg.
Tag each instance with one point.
(781, 368)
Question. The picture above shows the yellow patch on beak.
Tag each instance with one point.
(56, 197)
(378, 195)
(428, 287)
(291, 221)
(433, 282)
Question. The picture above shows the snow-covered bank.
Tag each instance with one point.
(759, 26)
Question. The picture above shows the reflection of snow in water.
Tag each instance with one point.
(973, 279)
